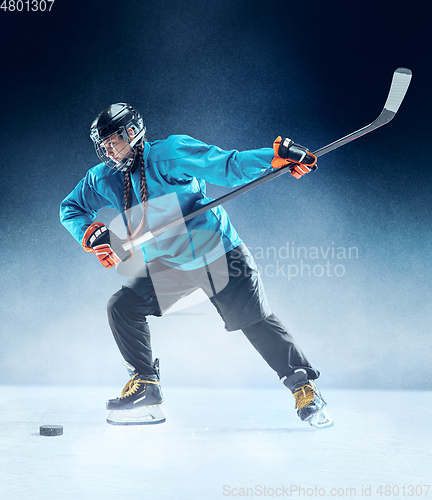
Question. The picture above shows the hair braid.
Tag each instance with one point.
(143, 180)
(128, 193)
(128, 200)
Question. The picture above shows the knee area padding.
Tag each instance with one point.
(123, 300)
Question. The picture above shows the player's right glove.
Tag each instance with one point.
(105, 244)
(286, 151)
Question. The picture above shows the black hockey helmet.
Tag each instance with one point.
(109, 133)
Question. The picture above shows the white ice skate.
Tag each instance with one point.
(320, 420)
(140, 400)
(142, 415)
(310, 406)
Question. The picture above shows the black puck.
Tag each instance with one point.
(51, 430)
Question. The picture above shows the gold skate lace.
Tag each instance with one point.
(133, 385)
(305, 395)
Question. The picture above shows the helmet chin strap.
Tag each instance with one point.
(138, 137)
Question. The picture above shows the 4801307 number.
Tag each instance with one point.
(408, 490)
(27, 5)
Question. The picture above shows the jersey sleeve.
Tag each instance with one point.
(218, 166)
(79, 209)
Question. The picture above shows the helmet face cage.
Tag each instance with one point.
(115, 151)
(109, 133)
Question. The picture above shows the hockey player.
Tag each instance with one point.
(159, 175)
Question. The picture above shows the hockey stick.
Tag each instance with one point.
(399, 86)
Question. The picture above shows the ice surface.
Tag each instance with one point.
(213, 444)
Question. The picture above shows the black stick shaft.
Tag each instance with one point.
(400, 83)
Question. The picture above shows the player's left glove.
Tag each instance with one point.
(286, 151)
(105, 244)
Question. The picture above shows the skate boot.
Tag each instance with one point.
(139, 403)
(310, 405)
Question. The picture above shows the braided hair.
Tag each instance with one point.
(139, 162)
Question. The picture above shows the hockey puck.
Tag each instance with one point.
(51, 430)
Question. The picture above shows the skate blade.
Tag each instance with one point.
(321, 420)
(143, 415)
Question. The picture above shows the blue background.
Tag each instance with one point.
(235, 74)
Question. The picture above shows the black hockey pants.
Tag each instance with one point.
(241, 302)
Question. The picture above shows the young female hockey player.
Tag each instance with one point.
(166, 178)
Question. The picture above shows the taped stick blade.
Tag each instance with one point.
(399, 86)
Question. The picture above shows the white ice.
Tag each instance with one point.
(215, 444)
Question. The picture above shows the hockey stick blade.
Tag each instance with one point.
(398, 89)
(399, 86)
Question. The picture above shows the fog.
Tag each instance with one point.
(344, 252)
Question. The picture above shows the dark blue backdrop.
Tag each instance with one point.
(235, 74)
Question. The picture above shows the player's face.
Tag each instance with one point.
(117, 148)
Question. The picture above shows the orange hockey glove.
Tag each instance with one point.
(286, 151)
(105, 244)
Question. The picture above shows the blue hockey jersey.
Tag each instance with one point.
(177, 169)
